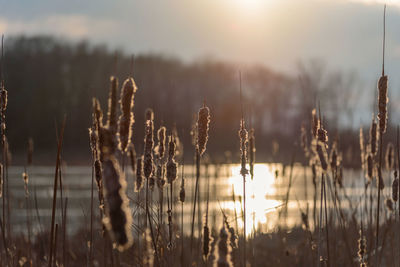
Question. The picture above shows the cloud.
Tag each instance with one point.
(71, 26)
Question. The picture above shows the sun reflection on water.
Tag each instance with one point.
(258, 195)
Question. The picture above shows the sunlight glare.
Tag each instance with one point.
(257, 191)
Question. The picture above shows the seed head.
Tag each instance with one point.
(243, 147)
(395, 188)
(203, 123)
(171, 164)
(382, 102)
(252, 150)
(126, 119)
(148, 149)
(139, 173)
(223, 258)
(118, 220)
(112, 106)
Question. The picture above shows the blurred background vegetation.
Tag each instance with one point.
(48, 78)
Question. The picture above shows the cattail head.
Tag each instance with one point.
(139, 173)
(107, 143)
(160, 149)
(370, 167)
(118, 220)
(373, 137)
(395, 188)
(3, 98)
(362, 149)
(132, 157)
(243, 147)
(206, 242)
(182, 193)
(148, 145)
(223, 258)
(112, 106)
(25, 178)
(171, 164)
(313, 171)
(389, 204)
(322, 134)
(98, 113)
(252, 150)
(99, 181)
(304, 219)
(203, 123)
(389, 158)
(160, 173)
(314, 123)
(30, 151)
(126, 119)
(382, 102)
(320, 151)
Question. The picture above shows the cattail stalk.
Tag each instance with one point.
(202, 128)
(382, 116)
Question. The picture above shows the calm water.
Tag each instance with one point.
(266, 195)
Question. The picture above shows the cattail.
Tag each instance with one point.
(313, 171)
(30, 151)
(322, 155)
(314, 123)
(206, 242)
(382, 102)
(148, 259)
(160, 149)
(389, 204)
(389, 157)
(322, 133)
(304, 219)
(112, 106)
(25, 178)
(334, 157)
(139, 171)
(152, 182)
(182, 191)
(171, 164)
(362, 247)
(223, 258)
(243, 147)
(119, 218)
(304, 141)
(126, 119)
(362, 149)
(107, 143)
(98, 113)
(252, 150)
(148, 145)
(370, 167)
(373, 137)
(3, 98)
(233, 237)
(203, 123)
(132, 157)
(160, 175)
(395, 187)
(99, 182)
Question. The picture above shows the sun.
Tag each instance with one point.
(249, 5)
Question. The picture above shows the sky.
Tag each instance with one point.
(345, 34)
